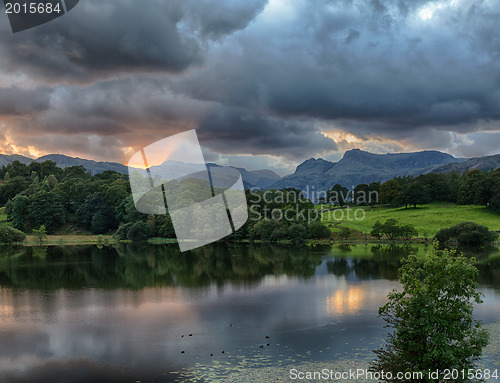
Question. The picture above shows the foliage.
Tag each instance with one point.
(389, 192)
(48, 209)
(136, 232)
(297, 233)
(9, 235)
(345, 233)
(467, 233)
(392, 230)
(139, 231)
(122, 232)
(337, 195)
(318, 230)
(431, 318)
(40, 234)
(96, 214)
(18, 211)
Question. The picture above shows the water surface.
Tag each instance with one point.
(220, 313)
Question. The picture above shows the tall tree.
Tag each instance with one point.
(432, 321)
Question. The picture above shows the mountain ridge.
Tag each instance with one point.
(355, 167)
(252, 178)
(358, 167)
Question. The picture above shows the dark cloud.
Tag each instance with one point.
(19, 102)
(233, 130)
(345, 61)
(99, 39)
(216, 18)
(259, 78)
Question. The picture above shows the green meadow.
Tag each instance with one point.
(427, 219)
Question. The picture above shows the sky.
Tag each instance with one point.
(266, 84)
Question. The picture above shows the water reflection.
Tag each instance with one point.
(125, 313)
(349, 301)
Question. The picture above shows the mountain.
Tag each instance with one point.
(257, 178)
(6, 159)
(91, 166)
(480, 163)
(175, 169)
(357, 167)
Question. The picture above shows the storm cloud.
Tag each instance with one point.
(257, 78)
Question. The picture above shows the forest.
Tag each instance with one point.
(73, 201)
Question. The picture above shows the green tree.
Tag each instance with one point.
(9, 235)
(52, 181)
(432, 321)
(48, 209)
(391, 229)
(414, 193)
(494, 202)
(337, 195)
(345, 234)
(389, 192)
(467, 191)
(9, 190)
(19, 211)
(96, 214)
(40, 234)
(377, 230)
(139, 231)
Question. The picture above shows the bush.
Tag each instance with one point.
(467, 233)
(297, 233)
(264, 228)
(318, 230)
(10, 235)
(122, 232)
(139, 231)
(279, 234)
(345, 234)
(391, 229)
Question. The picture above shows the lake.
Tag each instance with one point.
(221, 313)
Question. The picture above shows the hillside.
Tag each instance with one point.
(427, 219)
(93, 167)
(258, 178)
(357, 167)
(479, 163)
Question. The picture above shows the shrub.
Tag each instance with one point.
(10, 235)
(297, 233)
(122, 232)
(318, 230)
(467, 233)
(345, 233)
(139, 231)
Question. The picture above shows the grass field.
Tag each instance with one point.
(427, 219)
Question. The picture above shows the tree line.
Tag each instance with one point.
(474, 187)
(72, 200)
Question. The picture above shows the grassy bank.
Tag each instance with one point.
(69, 240)
(427, 219)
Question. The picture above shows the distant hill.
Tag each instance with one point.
(357, 167)
(258, 178)
(6, 159)
(91, 166)
(174, 169)
(480, 163)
